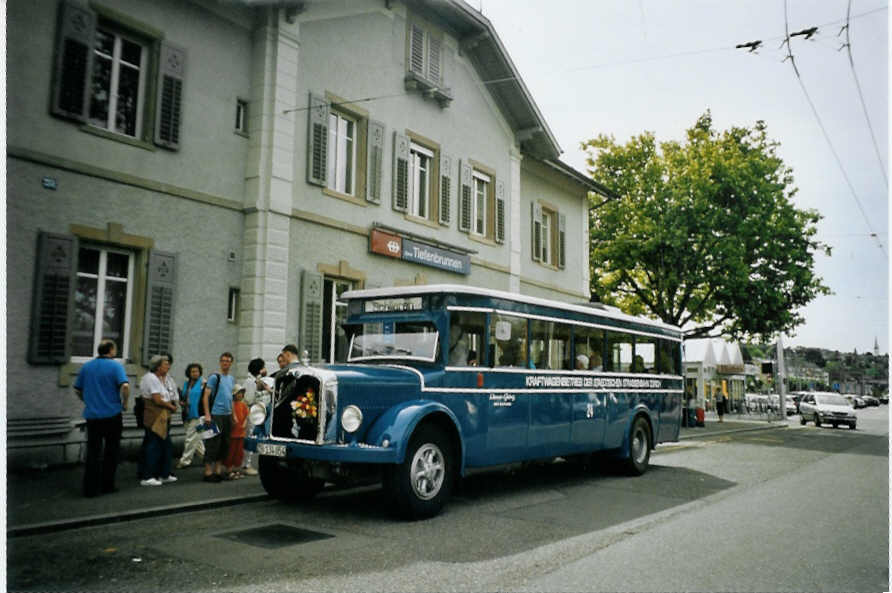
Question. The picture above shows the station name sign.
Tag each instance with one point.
(390, 245)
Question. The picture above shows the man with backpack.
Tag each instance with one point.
(217, 409)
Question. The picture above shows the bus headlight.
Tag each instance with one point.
(351, 418)
(257, 414)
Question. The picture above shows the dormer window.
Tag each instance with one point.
(424, 61)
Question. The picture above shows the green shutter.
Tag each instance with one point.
(311, 284)
(447, 174)
(562, 241)
(416, 50)
(375, 164)
(317, 140)
(400, 172)
(171, 74)
(536, 227)
(500, 211)
(73, 61)
(464, 202)
(52, 302)
(162, 279)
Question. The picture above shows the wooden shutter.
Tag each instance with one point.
(171, 74)
(162, 281)
(433, 59)
(446, 184)
(74, 59)
(562, 241)
(400, 172)
(464, 202)
(375, 165)
(536, 227)
(317, 141)
(52, 302)
(500, 211)
(416, 50)
(311, 285)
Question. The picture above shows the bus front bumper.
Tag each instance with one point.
(332, 452)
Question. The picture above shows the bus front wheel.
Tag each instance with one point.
(422, 483)
(639, 448)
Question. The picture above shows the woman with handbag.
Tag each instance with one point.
(159, 403)
(190, 400)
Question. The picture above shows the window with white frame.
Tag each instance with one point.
(118, 85)
(420, 159)
(102, 301)
(334, 313)
(341, 153)
(547, 220)
(480, 203)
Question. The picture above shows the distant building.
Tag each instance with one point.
(713, 366)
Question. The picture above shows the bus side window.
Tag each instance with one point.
(466, 337)
(508, 334)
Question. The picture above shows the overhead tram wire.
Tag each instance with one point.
(873, 137)
(595, 66)
(824, 129)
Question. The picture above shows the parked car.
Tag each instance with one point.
(856, 401)
(870, 400)
(884, 399)
(791, 405)
(827, 408)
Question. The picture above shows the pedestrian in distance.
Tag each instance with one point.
(160, 402)
(190, 400)
(217, 410)
(237, 436)
(103, 386)
(720, 404)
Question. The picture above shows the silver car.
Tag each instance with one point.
(827, 408)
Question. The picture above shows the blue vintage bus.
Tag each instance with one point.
(444, 379)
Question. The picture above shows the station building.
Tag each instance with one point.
(202, 176)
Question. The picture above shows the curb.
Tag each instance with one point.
(730, 431)
(94, 520)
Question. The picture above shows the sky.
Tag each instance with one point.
(620, 67)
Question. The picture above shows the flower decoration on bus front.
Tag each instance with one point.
(304, 406)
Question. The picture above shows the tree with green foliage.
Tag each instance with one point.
(703, 234)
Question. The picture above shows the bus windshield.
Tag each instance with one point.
(409, 341)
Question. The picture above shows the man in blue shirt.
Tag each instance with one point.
(101, 384)
(217, 407)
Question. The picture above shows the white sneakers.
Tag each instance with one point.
(250, 471)
(157, 482)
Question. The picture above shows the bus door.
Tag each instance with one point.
(508, 405)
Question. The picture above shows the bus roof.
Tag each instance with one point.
(600, 310)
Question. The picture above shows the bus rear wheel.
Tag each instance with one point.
(639, 448)
(287, 481)
(422, 483)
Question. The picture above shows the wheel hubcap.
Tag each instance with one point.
(428, 471)
(639, 446)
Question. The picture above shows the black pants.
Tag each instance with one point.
(103, 447)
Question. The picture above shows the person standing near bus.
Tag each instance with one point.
(217, 406)
(103, 386)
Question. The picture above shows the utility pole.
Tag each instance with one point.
(779, 381)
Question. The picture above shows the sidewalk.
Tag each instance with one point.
(40, 501)
(732, 423)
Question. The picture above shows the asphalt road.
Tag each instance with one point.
(794, 509)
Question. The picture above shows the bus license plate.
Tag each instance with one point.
(268, 449)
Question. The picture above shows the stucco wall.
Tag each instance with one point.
(217, 72)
